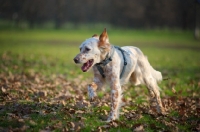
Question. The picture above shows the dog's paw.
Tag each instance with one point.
(91, 93)
(110, 120)
(161, 111)
(111, 117)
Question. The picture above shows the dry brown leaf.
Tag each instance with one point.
(42, 93)
(173, 90)
(139, 129)
(33, 123)
(3, 90)
(72, 124)
(79, 112)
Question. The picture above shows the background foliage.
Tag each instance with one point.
(126, 13)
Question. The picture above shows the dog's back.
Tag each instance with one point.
(143, 68)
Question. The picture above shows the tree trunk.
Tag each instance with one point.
(197, 20)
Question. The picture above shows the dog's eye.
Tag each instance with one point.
(87, 49)
(80, 49)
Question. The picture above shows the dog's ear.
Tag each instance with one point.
(95, 36)
(104, 41)
(104, 37)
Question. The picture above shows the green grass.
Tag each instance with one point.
(27, 56)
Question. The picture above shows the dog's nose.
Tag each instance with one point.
(76, 60)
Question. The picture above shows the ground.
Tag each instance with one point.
(41, 89)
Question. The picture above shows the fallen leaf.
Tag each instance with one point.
(139, 129)
(32, 123)
(3, 90)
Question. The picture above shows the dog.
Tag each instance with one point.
(117, 66)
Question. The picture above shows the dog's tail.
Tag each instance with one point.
(157, 75)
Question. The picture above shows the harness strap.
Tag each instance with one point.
(100, 69)
(125, 62)
(108, 59)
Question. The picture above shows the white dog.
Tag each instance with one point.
(117, 66)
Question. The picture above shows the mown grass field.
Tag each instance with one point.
(43, 90)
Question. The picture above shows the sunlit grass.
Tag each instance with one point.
(117, 36)
(51, 52)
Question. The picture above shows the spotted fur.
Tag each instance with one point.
(138, 71)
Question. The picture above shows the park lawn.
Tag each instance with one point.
(42, 89)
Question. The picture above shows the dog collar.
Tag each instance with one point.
(109, 59)
(105, 62)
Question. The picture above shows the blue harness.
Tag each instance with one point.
(108, 59)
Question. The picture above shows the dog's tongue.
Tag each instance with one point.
(85, 66)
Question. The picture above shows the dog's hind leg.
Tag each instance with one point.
(155, 93)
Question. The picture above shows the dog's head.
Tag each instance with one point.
(93, 50)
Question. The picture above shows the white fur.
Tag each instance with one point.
(138, 71)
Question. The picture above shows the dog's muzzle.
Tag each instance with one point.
(76, 60)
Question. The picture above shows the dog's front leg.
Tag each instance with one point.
(115, 100)
(92, 91)
(96, 84)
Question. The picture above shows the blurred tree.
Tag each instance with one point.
(11, 10)
(37, 11)
(197, 20)
(60, 10)
(126, 13)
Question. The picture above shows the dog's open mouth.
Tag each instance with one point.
(87, 65)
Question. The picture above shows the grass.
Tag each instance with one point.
(37, 61)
